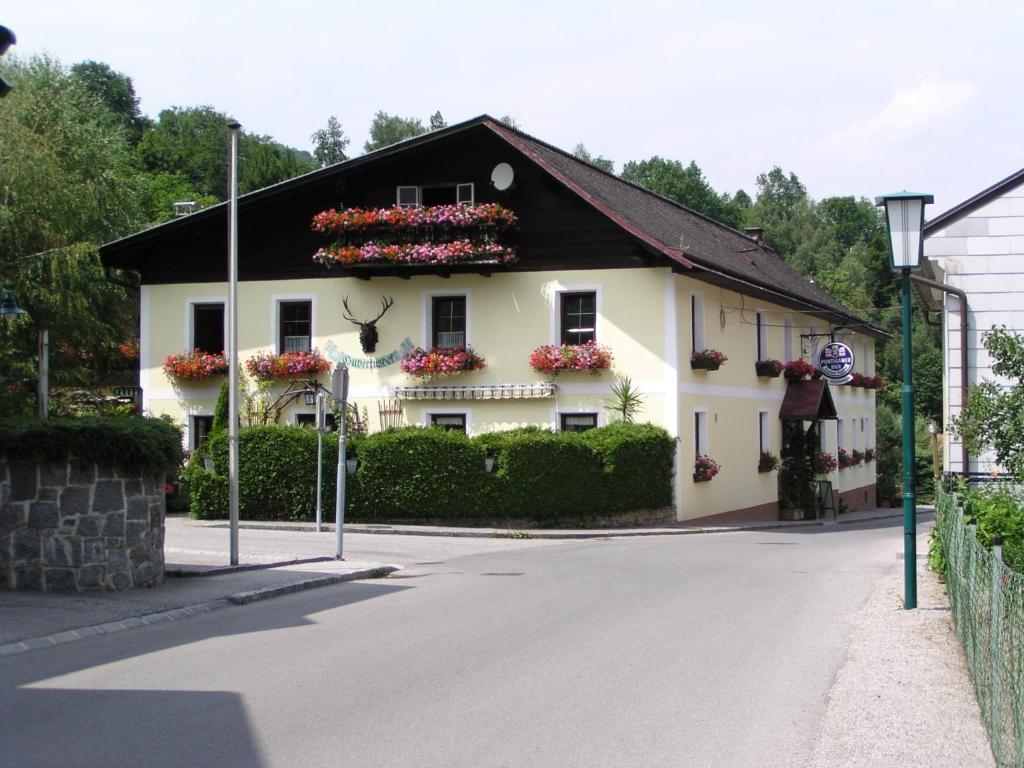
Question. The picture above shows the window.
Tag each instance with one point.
(579, 317)
(208, 327)
(578, 422)
(295, 329)
(762, 431)
(453, 422)
(199, 430)
(440, 194)
(408, 197)
(697, 322)
(822, 436)
(840, 442)
(787, 322)
(448, 321)
(762, 336)
(700, 433)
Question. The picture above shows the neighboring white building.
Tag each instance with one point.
(978, 248)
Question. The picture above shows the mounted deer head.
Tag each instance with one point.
(368, 330)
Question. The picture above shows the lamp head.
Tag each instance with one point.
(904, 217)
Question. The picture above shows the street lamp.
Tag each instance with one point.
(9, 306)
(904, 217)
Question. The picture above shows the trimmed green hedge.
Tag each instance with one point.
(128, 443)
(430, 475)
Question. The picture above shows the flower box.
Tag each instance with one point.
(455, 252)
(767, 462)
(769, 369)
(704, 468)
(707, 360)
(440, 361)
(872, 382)
(869, 455)
(856, 380)
(554, 359)
(845, 459)
(797, 370)
(824, 463)
(289, 365)
(195, 366)
(857, 456)
(437, 217)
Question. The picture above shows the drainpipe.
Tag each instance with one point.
(963, 343)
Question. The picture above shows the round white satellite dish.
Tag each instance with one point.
(502, 176)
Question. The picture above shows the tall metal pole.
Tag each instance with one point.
(339, 387)
(43, 386)
(909, 500)
(233, 344)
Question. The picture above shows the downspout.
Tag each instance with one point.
(963, 343)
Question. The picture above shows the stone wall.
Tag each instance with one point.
(77, 526)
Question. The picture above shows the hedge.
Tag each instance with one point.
(128, 443)
(431, 475)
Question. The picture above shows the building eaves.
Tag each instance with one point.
(970, 205)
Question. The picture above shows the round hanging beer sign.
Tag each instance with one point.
(836, 362)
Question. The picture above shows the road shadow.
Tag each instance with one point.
(47, 727)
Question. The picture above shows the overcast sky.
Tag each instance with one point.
(855, 98)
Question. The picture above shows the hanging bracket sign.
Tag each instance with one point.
(835, 360)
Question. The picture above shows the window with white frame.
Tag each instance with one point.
(448, 321)
(435, 194)
(454, 422)
(697, 322)
(763, 438)
(840, 437)
(295, 326)
(199, 428)
(700, 433)
(577, 422)
(787, 341)
(761, 320)
(823, 436)
(208, 327)
(578, 317)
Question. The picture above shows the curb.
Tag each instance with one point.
(177, 614)
(597, 533)
(222, 570)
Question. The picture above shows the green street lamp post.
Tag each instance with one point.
(904, 217)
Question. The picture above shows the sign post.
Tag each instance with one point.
(321, 424)
(339, 388)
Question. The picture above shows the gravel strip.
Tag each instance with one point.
(903, 696)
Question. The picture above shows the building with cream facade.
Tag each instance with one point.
(595, 260)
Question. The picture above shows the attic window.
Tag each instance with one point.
(439, 194)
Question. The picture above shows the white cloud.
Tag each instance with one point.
(909, 111)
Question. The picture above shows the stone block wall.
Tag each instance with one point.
(76, 526)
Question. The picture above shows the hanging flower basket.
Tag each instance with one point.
(707, 360)
(797, 370)
(704, 468)
(195, 366)
(425, 364)
(768, 369)
(554, 359)
(289, 365)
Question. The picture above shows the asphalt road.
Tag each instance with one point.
(715, 650)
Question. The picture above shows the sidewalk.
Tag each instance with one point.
(30, 620)
(668, 529)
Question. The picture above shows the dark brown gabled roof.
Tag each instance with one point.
(690, 239)
(972, 204)
(808, 401)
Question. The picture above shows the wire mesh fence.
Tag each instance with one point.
(987, 599)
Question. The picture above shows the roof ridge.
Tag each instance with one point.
(972, 203)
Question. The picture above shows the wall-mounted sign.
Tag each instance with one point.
(836, 362)
(395, 356)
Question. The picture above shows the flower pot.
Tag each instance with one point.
(767, 369)
(705, 365)
(700, 478)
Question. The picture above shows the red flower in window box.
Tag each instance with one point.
(845, 459)
(195, 365)
(704, 468)
(857, 380)
(440, 361)
(289, 365)
(707, 360)
(824, 463)
(554, 358)
(797, 370)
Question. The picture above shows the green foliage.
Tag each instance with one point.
(685, 185)
(220, 411)
(598, 162)
(386, 130)
(437, 121)
(999, 510)
(208, 495)
(799, 466)
(428, 474)
(626, 400)
(994, 415)
(888, 453)
(130, 443)
(329, 143)
(117, 93)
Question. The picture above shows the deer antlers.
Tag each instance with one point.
(386, 304)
